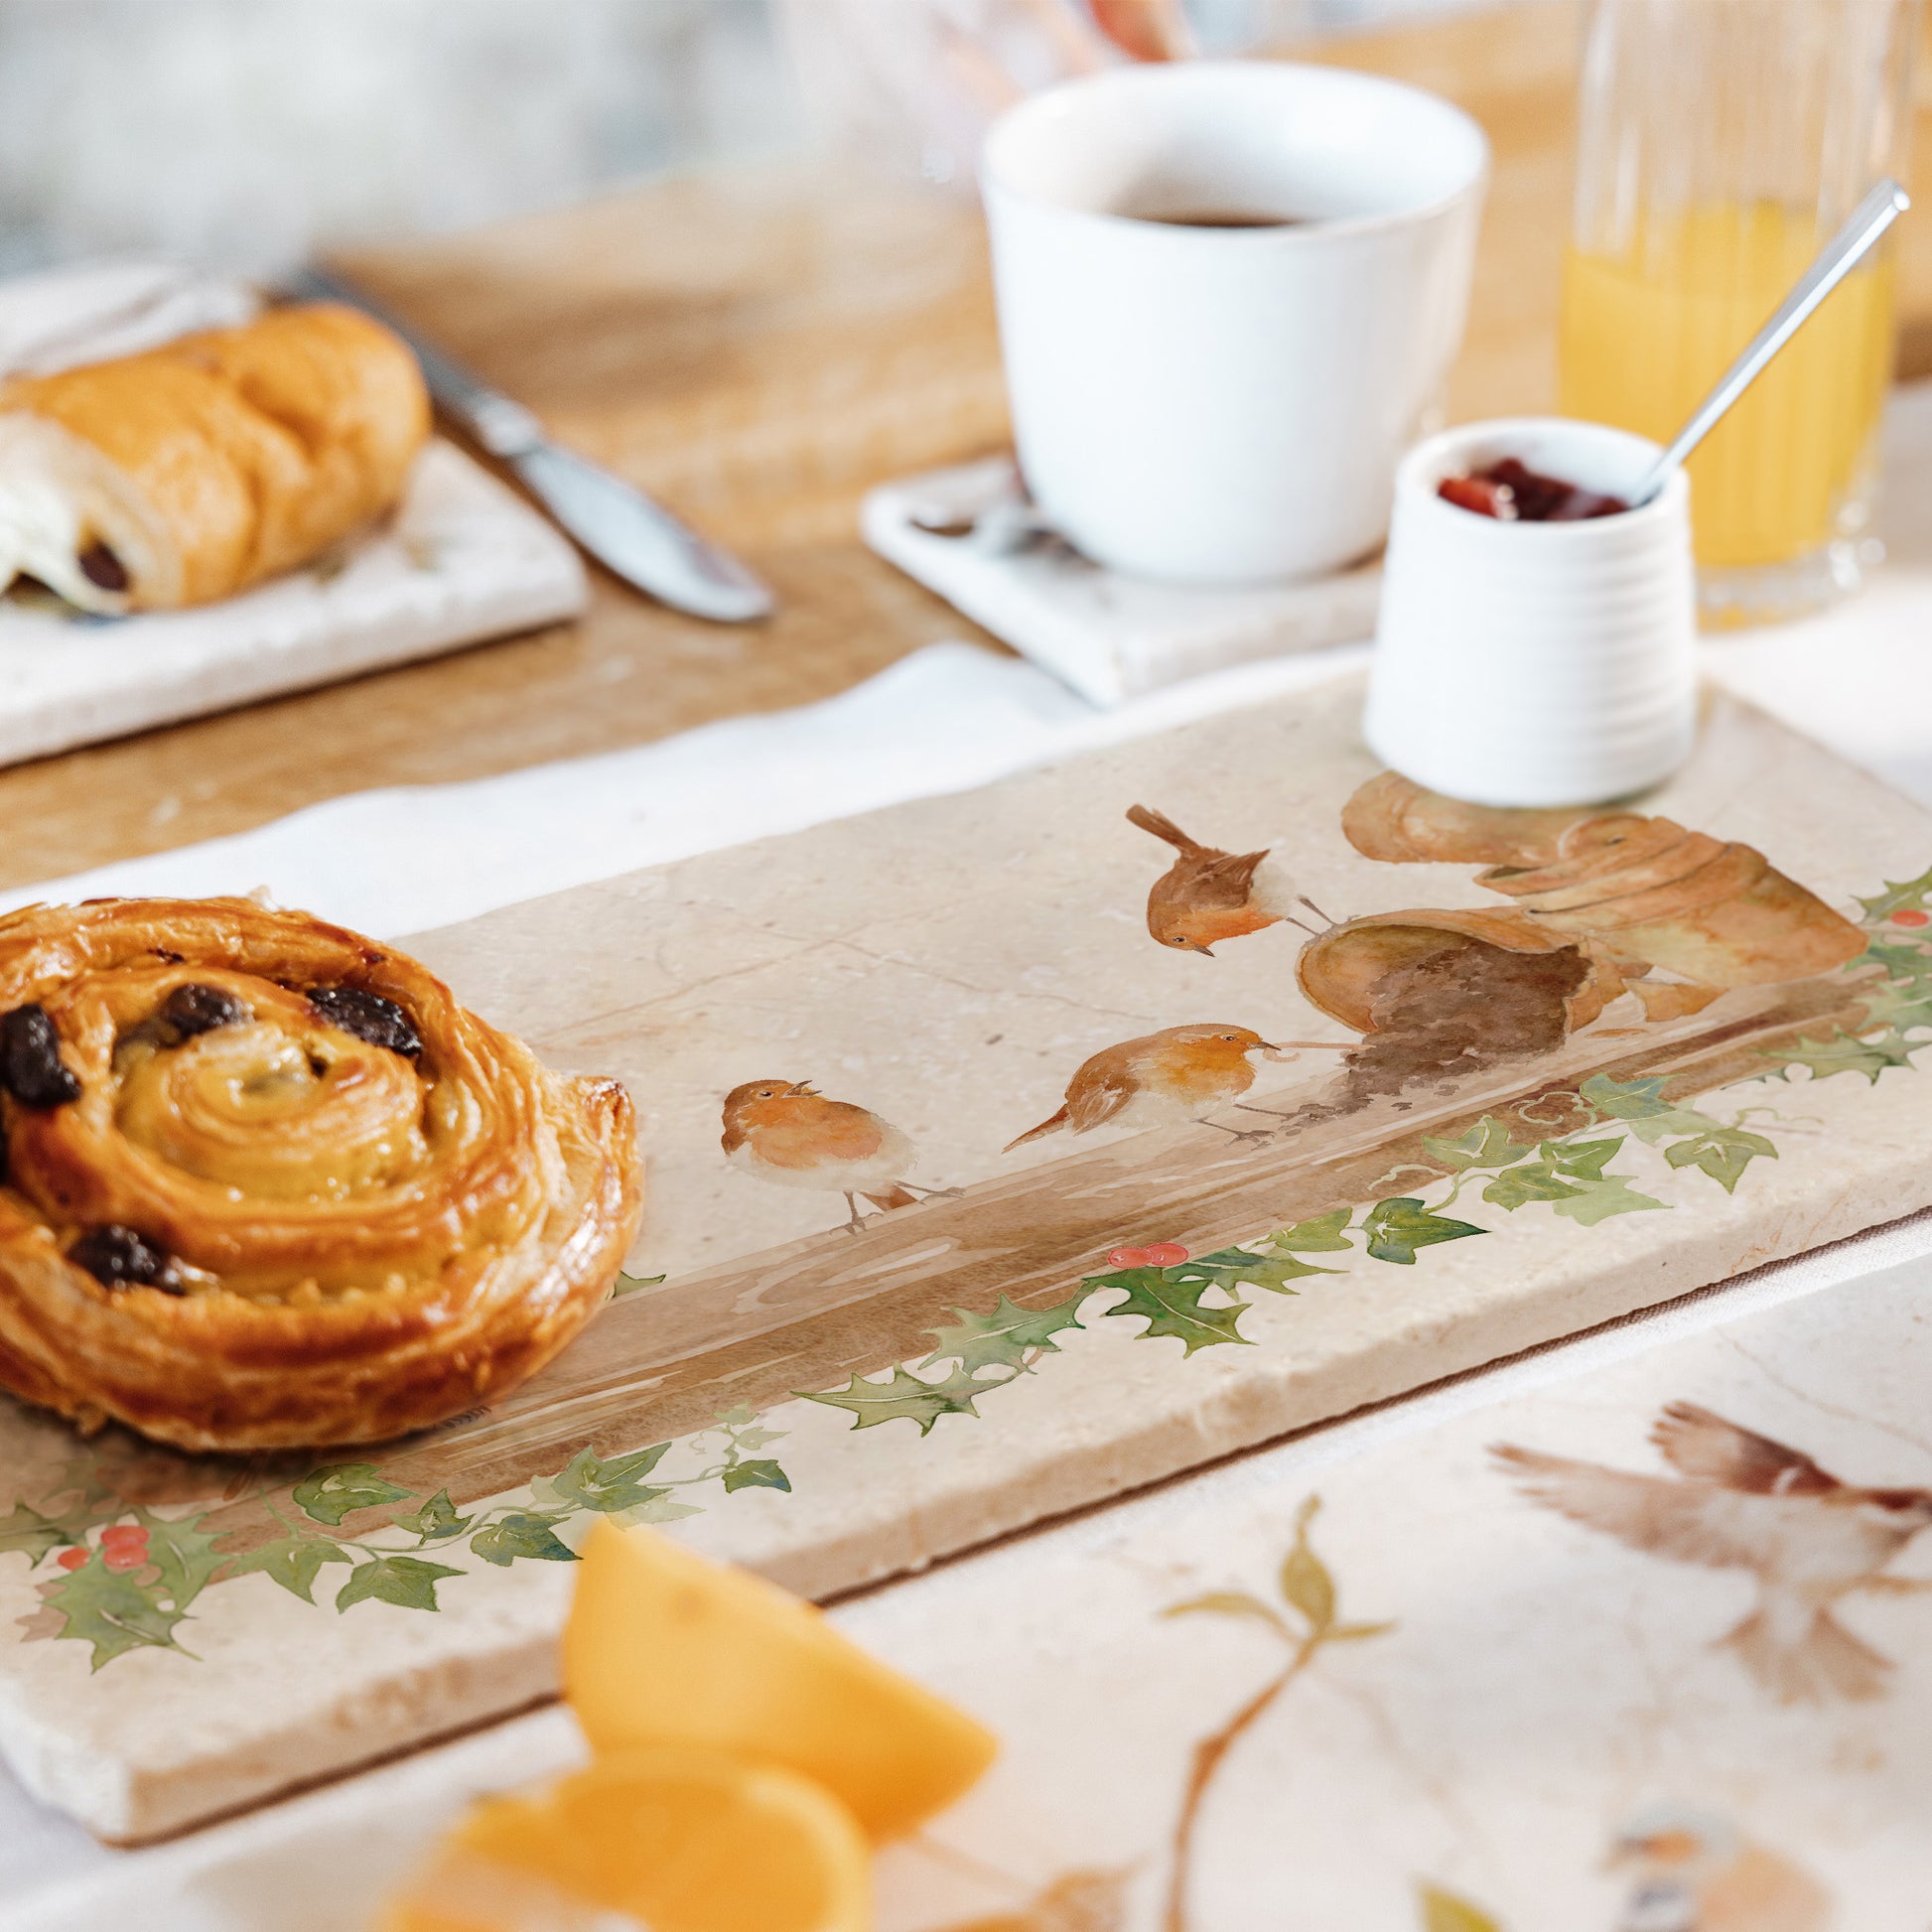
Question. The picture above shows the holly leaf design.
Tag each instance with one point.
(1907, 896)
(186, 1557)
(330, 1493)
(589, 1481)
(1398, 1228)
(1597, 1201)
(406, 1581)
(1443, 1912)
(437, 1520)
(113, 1611)
(293, 1562)
(1724, 1155)
(1322, 1234)
(1901, 959)
(630, 1283)
(1485, 1145)
(522, 1532)
(1229, 1602)
(1174, 1308)
(31, 1534)
(756, 1475)
(1900, 1005)
(1004, 1339)
(1232, 1268)
(904, 1397)
(1843, 1054)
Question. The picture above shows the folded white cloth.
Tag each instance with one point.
(69, 315)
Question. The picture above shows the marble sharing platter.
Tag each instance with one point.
(1148, 1148)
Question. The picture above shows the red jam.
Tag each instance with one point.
(1512, 492)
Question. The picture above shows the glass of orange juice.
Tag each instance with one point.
(1720, 143)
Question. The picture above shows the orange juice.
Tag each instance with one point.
(1648, 329)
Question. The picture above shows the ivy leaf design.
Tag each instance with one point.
(1907, 895)
(1640, 1105)
(1443, 1912)
(186, 1557)
(437, 1520)
(1562, 1170)
(902, 1396)
(113, 1611)
(658, 1508)
(1322, 1234)
(1232, 1268)
(1844, 1053)
(1174, 1308)
(1485, 1145)
(630, 1283)
(1003, 1338)
(29, 1533)
(587, 1482)
(1229, 1602)
(406, 1581)
(1397, 1228)
(293, 1562)
(330, 1493)
(756, 1475)
(1597, 1201)
(522, 1532)
(1724, 1155)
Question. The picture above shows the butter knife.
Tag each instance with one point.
(639, 539)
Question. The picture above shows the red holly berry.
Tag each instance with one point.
(1906, 916)
(71, 1558)
(129, 1532)
(1127, 1258)
(1165, 1254)
(121, 1556)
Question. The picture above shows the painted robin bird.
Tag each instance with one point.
(1692, 1871)
(1208, 895)
(1162, 1079)
(787, 1133)
(1741, 1501)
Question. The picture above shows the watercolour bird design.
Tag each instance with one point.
(1741, 1501)
(1208, 895)
(787, 1133)
(1161, 1080)
(1691, 1871)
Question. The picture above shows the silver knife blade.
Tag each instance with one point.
(639, 539)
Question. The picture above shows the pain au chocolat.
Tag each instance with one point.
(268, 1186)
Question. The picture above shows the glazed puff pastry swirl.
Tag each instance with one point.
(269, 1185)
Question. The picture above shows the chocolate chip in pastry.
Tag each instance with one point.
(268, 1186)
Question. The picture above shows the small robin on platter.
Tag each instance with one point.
(1165, 1078)
(787, 1133)
(1208, 895)
(1694, 1871)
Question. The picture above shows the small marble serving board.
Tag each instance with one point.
(463, 558)
(967, 533)
(836, 1407)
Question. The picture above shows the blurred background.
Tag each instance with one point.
(241, 133)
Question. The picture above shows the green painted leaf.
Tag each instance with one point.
(1902, 1006)
(29, 1533)
(1486, 1144)
(1172, 1308)
(186, 1557)
(407, 1581)
(1397, 1228)
(1843, 1054)
(1597, 1201)
(1322, 1234)
(630, 1283)
(330, 1493)
(904, 1397)
(1232, 1268)
(293, 1562)
(522, 1532)
(1907, 895)
(756, 1475)
(110, 1611)
(1004, 1339)
(1443, 1912)
(1562, 1170)
(661, 1506)
(589, 1481)
(1626, 1099)
(437, 1520)
(1724, 1155)
(1307, 1585)
(1228, 1602)
(1902, 959)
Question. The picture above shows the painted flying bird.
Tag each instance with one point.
(787, 1133)
(1691, 1871)
(1208, 895)
(1746, 1502)
(1163, 1078)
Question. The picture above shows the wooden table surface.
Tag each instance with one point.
(758, 346)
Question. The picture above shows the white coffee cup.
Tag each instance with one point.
(1216, 404)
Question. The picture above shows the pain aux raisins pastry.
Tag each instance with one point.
(268, 1186)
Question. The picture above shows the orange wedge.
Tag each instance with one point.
(672, 1839)
(665, 1647)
